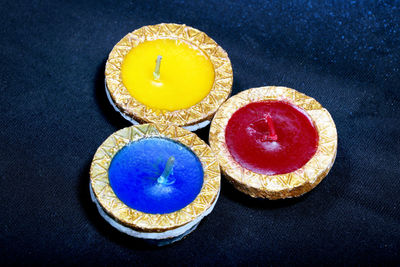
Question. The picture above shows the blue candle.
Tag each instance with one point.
(156, 175)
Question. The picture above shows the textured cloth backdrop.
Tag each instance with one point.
(54, 115)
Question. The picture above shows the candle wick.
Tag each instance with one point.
(165, 176)
(271, 136)
(156, 73)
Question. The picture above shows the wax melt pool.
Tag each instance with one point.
(271, 137)
(135, 169)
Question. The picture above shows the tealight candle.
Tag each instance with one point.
(274, 142)
(168, 73)
(154, 182)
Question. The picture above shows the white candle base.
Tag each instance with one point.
(161, 238)
(191, 128)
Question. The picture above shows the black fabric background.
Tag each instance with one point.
(54, 115)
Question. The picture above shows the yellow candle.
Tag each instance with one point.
(186, 74)
(195, 76)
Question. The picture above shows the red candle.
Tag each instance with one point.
(273, 142)
(271, 137)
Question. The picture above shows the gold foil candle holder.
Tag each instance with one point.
(157, 227)
(286, 185)
(192, 118)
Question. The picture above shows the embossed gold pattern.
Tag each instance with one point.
(153, 222)
(287, 185)
(203, 110)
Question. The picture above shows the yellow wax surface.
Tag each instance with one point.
(186, 74)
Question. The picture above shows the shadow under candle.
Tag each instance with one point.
(105, 106)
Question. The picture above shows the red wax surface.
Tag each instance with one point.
(248, 137)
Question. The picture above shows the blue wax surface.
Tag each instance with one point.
(134, 170)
